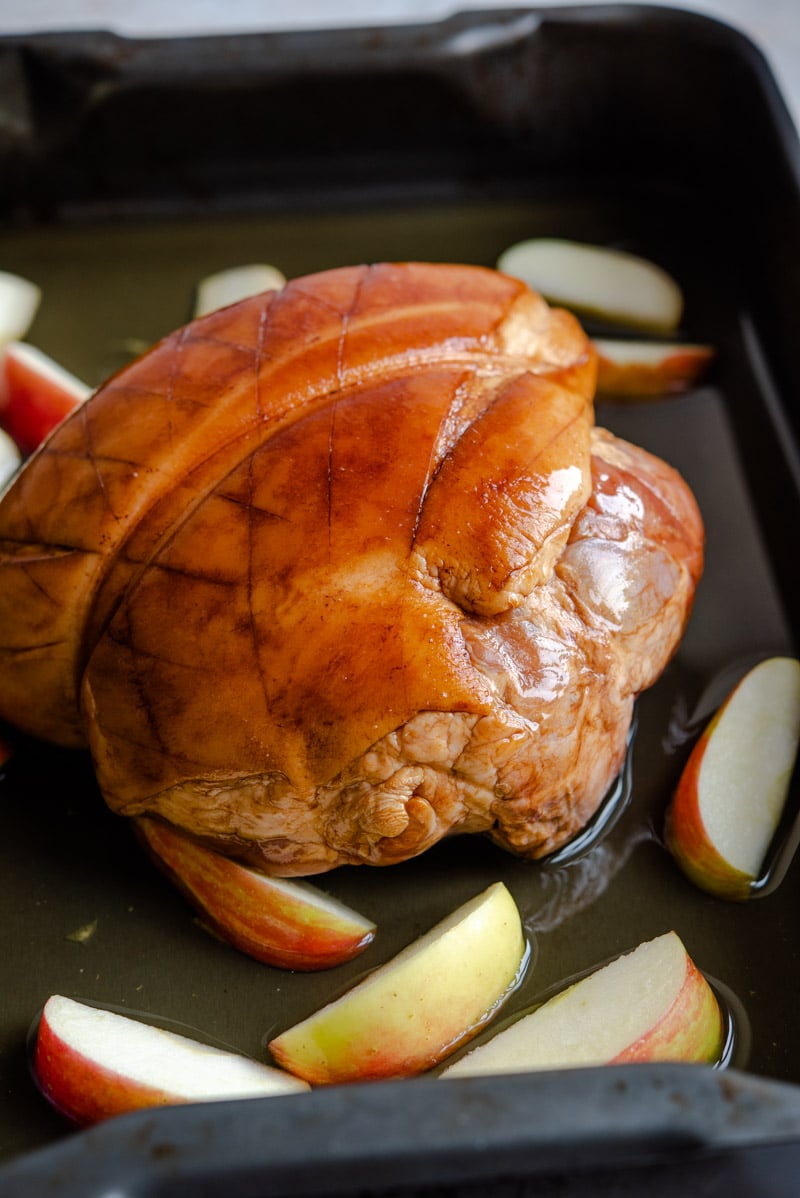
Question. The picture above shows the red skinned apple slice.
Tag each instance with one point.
(649, 369)
(652, 1004)
(416, 1009)
(35, 394)
(237, 283)
(10, 458)
(286, 923)
(92, 1063)
(19, 302)
(733, 788)
(592, 280)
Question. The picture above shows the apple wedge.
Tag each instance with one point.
(19, 303)
(10, 458)
(649, 369)
(237, 283)
(733, 788)
(286, 923)
(652, 1004)
(35, 394)
(91, 1063)
(591, 280)
(415, 1010)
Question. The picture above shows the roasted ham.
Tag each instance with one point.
(345, 568)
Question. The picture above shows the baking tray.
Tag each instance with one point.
(131, 169)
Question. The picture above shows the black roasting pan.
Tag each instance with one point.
(129, 169)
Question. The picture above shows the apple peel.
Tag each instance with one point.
(649, 369)
(35, 394)
(651, 1004)
(416, 1009)
(91, 1064)
(613, 285)
(279, 921)
(236, 283)
(733, 788)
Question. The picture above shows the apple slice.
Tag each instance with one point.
(416, 1009)
(281, 922)
(733, 788)
(10, 458)
(652, 1004)
(592, 280)
(19, 302)
(649, 369)
(237, 283)
(92, 1063)
(35, 394)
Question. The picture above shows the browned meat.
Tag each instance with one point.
(343, 569)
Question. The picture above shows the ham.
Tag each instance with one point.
(346, 568)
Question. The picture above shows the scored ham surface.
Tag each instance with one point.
(344, 568)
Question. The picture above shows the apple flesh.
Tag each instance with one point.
(35, 394)
(649, 369)
(420, 1006)
(19, 303)
(237, 283)
(10, 458)
(734, 786)
(618, 287)
(281, 922)
(652, 1004)
(91, 1064)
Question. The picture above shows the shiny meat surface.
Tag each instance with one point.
(344, 569)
